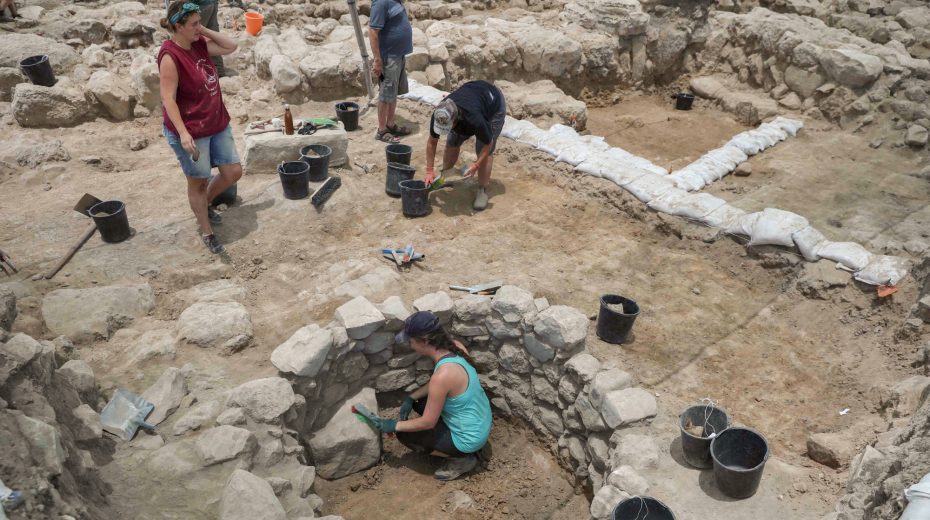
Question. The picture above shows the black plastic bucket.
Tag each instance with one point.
(414, 198)
(712, 421)
(683, 101)
(739, 458)
(295, 179)
(319, 165)
(112, 222)
(38, 70)
(642, 508)
(398, 153)
(347, 112)
(397, 172)
(227, 196)
(613, 326)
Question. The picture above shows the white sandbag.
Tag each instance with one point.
(563, 130)
(790, 126)
(749, 144)
(733, 153)
(765, 139)
(627, 159)
(433, 97)
(580, 149)
(774, 131)
(624, 176)
(696, 206)
(669, 201)
(532, 136)
(688, 180)
(711, 171)
(649, 186)
(808, 240)
(850, 254)
(744, 224)
(723, 217)
(775, 226)
(883, 270)
(514, 128)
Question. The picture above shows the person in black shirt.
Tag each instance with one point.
(477, 109)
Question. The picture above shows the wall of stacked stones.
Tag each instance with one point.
(530, 356)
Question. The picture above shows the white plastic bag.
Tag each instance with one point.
(775, 227)
(852, 255)
(808, 240)
(883, 270)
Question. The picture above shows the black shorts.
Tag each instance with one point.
(439, 438)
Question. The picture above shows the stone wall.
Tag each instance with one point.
(531, 360)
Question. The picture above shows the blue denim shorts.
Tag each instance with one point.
(215, 150)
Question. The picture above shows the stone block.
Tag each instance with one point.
(166, 394)
(224, 443)
(561, 327)
(607, 381)
(605, 500)
(395, 379)
(359, 317)
(513, 358)
(304, 353)
(830, 449)
(583, 365)
(248, 497)
(626, 479)
(439, 303)
(639, 451)
(851, 68)
(95, 313)
(264, 400)
(264, 152)
(395, 312)
(472, 307)
(512, 303)
(627, 406)
(223, 325)
(345, 445)
(44, 443)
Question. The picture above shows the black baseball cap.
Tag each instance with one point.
(417, 325)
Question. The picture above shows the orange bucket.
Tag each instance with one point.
(253, 22)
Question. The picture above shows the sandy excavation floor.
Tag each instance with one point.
(716, 322)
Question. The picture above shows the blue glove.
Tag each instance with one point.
(406, 408)
(385, 425)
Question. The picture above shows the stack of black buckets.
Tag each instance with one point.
(737, 455)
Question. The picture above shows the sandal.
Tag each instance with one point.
(399, 130)
(386, 136)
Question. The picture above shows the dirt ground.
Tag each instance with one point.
(717, 321)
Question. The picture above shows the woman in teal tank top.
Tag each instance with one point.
(455, 414)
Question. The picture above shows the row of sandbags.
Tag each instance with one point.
(671, 194)
(716, 164)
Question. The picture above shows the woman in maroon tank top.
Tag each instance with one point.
(195, 118)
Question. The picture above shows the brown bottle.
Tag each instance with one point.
(288, 121)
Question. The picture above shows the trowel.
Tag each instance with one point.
(484, 288)
(125, 414)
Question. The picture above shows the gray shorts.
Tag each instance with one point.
(497, 125)
(393, 79)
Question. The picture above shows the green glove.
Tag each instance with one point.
(385, 425)
(406, 408)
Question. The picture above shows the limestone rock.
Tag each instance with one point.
(145, 79)
(35, 106)
(88, 30)
(264, 400)
(561, 327)
(285, 74)
(166, 394)
(439, 303)
(639, 451)
(436, 76)
(247, 497)
(916, 136)
(500, 329)
(512, 302)
(87, 314)
(88, 425)
(607, 381)
(9, 78)
(113, 93)
(7, 308)
(543, 101)
(345, 445)
(44, 442)
(605, 500)
(359, 317)
(34, 154)
(910, 394)
(306, 476)
(417, 60)
(304, 353)
(395, 312)
(830, 449)
(803, 82)
(457, 500)
(16, 46)
(279, 485)
(626, 479)
(627, 406)
(583, 365)
(224, 443)
(543, 390)
(151, 344)
(79, 375)
(923, 309)
(212, 291)
(590, 416)
(851, 68)
(231, 416)
(817, 278)
(513, 358)
(472, 307)
(199, 415)
(395, 379)
(226, 325)
(539, 350)
(620, 17)
(177, 460)
(263, 152)
(378, 342)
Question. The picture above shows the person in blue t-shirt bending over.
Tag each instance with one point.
(478, 109)
(455, 414)
(391, 40)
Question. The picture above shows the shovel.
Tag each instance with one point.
(87, 201)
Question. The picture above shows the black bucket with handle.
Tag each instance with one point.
(642, 508)
(111, 220)
(414, 198)
(295, 179)
(38, 70)
(317, 157)
(398, 153)
(683, 101)
(739, 456)
(396, 173)
(699, 424)
(347, 112)
(615, 318)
